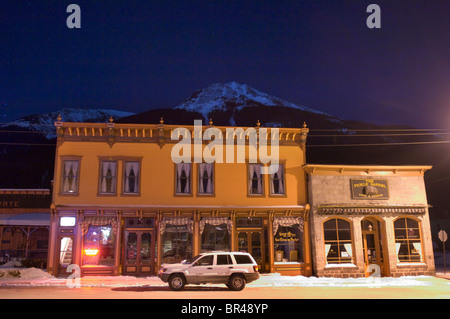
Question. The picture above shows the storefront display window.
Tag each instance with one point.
(215, 234)
(407, 240)
(99, 246)
(338, 241)
(177, 244)
(288, 240)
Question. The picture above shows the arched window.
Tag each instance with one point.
(407, 240)
(338, 241)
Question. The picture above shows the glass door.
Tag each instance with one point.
(372, 246)
(251, 241)
(139, 252)
(65, 254)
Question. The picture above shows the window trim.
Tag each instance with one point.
(175, 174)
(419, 228)
(100, 176)
(284, 194)
(352, 242)
(124, 161)
(263, 180)
(213, 180)
(63, 159)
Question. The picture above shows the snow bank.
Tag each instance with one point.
(23, 273)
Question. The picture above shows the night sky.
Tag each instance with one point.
(138, 55)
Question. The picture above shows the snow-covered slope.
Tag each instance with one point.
(44, 122)
(218, 96)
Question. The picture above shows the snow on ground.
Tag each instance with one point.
(37, 277)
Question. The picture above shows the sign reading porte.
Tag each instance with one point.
(369, 189)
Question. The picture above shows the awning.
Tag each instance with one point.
(36, 219)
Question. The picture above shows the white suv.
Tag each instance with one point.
(233, 269)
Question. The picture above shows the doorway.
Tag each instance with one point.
(252, 241)
(65, 256)
(372, 237)
(139, 248)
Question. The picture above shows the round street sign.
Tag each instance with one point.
(442, 236)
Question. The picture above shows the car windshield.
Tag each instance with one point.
(191, 260)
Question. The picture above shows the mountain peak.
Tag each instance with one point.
(222, 96)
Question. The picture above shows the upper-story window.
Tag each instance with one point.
(255, 180)
(277, 184)
(183, 179)
(70, 174)
(131, 177)
(205, 178)
(108, 177)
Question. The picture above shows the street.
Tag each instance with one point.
(429, 288)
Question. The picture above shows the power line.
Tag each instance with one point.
(379, 144)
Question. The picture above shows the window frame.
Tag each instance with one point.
(408, 241)
(250, 181)
(271, 193)
(63, 160)
(101, 161)
(212, 179)
(339, 242)
(124, 176)
(176, 193)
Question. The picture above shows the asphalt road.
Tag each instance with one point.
(436, 288)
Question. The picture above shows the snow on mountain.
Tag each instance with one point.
(218, 95)
(44, 122)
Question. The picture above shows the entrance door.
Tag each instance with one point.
(252, 241)
(65, 255)
(373, 247)
(139, 252)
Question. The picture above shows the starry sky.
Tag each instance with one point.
(138, 55)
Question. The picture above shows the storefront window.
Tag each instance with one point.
(407, 240)
(176, 243)
(338, 241)
(288, 239)
(288, 242)
(99, 245)
(215, 237)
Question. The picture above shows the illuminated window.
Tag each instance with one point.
(407, 240)
(70, 173)
(108, 172)
(338, 241)
(67, 221)
(99, 245)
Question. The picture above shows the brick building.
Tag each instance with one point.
(369, 219)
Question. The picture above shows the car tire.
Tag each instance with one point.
(236, 283)
(177, 282)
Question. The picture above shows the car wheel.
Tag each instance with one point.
(237, 282)
(177, 282)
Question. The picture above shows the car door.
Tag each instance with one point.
(224, 267)
(201, 270)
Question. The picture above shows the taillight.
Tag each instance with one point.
(255, 268)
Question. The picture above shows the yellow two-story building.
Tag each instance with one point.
(130, 197)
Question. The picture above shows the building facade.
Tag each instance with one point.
(369, 220)
(122, 205)
(24, 226)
